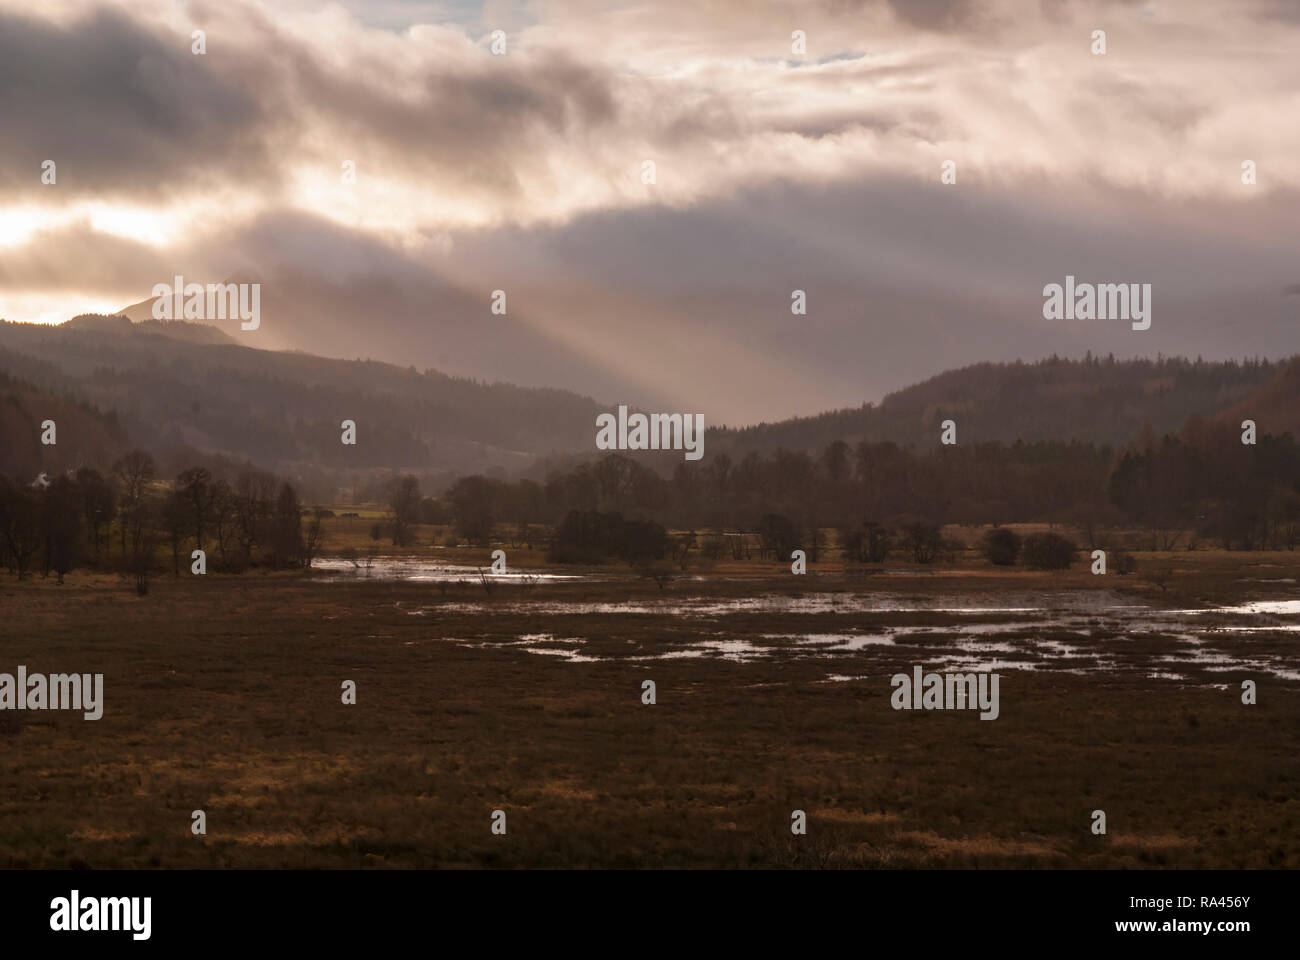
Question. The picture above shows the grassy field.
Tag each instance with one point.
(223, 694)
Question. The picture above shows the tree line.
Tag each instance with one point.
(132, 521)
(1201, 485)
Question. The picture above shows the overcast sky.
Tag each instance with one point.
(775, 171)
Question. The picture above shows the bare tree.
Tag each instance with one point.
(61, 523)
(224, 520)
(286, 527)
(97, 502)
(19, 523)
(141, 528)
(404, 499)
(175, 517)
(194, 487)
(134, 473)
(252, 506)
(313, 537)
(681, 549)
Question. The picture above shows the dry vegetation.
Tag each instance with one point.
(223, 694)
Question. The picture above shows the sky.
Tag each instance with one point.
(774, 171)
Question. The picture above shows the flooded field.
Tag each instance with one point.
(420, 571)
(524, 694)
(861, 634)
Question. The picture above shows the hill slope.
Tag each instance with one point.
(121, 323)
(283, 410)
(1275, 405)
(1103, 401)
(185, 386)
(83, 435)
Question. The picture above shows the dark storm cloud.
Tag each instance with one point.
(127, 110)
(932, 14)
(120, 108)
(473, 126)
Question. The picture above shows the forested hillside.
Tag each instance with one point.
(170, 386)
(187, 393)
(1093, 400)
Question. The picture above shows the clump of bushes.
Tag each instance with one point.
(923, 541)
(1001, 546)
(869, 543)
(587, 536)
(1047, 551)
(1124, 562)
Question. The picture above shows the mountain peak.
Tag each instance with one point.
(123, 323)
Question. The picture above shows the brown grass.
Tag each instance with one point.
(223, 694)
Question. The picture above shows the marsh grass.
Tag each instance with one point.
(223, 694)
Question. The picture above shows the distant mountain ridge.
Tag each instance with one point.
(1097, 400)
(171, 386)
(175, 385)
(123, 323)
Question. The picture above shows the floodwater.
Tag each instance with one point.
(1080, 632)
(424, 571)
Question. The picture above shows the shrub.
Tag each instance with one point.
(1001, 546)
(1125, 562)
(868, 544)
(778, 534)
(1047, 551)
(923, 541)
(592, 537)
